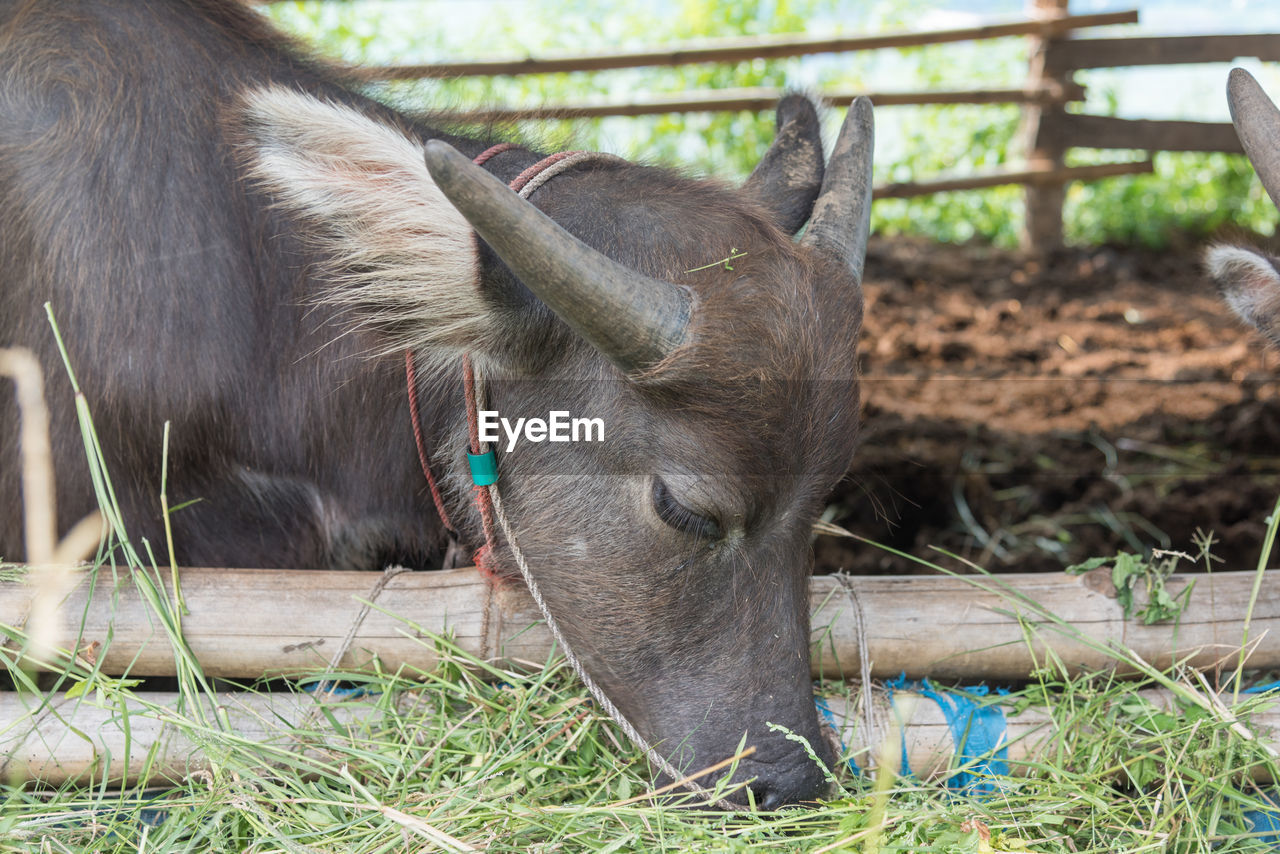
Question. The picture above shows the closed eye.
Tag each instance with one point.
(678, 516)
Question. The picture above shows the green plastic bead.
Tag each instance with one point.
(484, 468)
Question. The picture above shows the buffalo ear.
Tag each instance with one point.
(400, 260)
(1250, 285)
(789, 176)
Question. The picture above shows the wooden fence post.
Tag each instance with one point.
(1042, 140)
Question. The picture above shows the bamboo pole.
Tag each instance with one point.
(247, 623)
(55, 740)
(740, 49)
(916, 735)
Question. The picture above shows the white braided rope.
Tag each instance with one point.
(563, 165)
(869, 722)
(595, 690)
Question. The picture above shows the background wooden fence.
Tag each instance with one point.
(1049, 129)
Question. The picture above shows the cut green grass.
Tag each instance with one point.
(530, 765)
(470, 756)
(475, 757)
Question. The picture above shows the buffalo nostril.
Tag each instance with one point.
(769, 799)
(774, 792)
(773, 799)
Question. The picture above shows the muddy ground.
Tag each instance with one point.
(1027, 414)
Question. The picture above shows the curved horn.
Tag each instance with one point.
(842, 214)
(1257, 124)
(789, 176)
(629, 317)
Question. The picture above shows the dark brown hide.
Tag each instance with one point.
(230, 269)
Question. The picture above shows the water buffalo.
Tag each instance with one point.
(1250, 279)
(237, 241)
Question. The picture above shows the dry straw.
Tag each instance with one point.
(50, 560)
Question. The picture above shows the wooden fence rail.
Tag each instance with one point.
(739, 49)
(759, 99)
(1151, 135)
(1075, 54)
(1036, 177)
(1049, 130)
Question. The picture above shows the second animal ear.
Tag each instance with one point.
(789, 176)
(1250, 284)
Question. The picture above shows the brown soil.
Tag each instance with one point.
(1027, 414)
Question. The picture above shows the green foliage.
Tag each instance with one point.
(1189, 193)
(1129, 571)
(958, 140)
(924, 143)
(1192, 194)
(736, 138)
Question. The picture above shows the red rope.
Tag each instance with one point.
(492, 151)
(483, 500)
(411, 376)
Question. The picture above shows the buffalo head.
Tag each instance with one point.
(718, 352)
